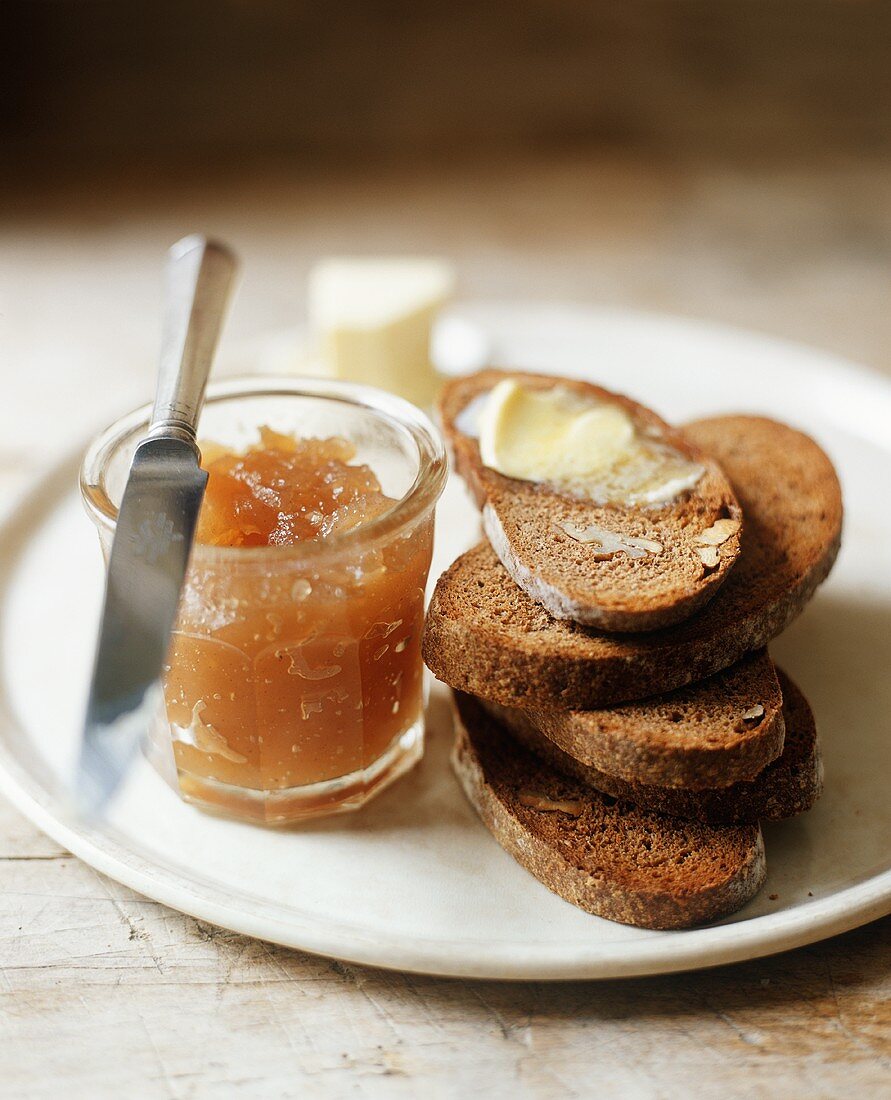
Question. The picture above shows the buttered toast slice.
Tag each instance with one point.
(598, 509)
(487, 637)
(605, 856)
(788, 786)
(719, 731)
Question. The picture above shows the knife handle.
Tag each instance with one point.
(200, 277)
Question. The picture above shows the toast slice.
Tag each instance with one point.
(486, 637)
(603, 855)
(788, 786)
(543, 536)
(719, 731)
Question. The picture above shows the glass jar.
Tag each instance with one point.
(294, 683)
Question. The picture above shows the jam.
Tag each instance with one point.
(296, 664)
(284, 491)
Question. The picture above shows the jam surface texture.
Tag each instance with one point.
(282, 491)
(289, 670)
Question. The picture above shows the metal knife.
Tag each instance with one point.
(156, 524)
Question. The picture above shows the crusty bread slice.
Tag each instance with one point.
(485, 636)
(526, 524)
(723, 729)
(788, 786)
(606, 856)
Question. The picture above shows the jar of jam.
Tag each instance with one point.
(293, 686)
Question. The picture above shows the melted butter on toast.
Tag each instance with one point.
(590, 449)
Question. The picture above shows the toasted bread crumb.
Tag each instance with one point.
(786, 786)
(620, 862)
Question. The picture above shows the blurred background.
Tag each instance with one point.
(717, 160)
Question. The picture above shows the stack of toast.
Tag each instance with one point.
(620, 727)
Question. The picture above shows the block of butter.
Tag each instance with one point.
(372, 317)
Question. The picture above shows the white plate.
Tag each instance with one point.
(414, 881)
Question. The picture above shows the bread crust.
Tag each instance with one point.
(611, 859)
(786, 787)
(486, 637)
(523, 522)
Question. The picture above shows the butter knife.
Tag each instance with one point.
(155, 526)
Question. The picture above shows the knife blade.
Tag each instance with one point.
(155, 526)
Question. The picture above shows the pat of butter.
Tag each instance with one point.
(372, 319)
(586, 448)
(550, 435)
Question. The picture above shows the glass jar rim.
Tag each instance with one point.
(420, 496)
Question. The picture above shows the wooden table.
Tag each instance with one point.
(107, 994)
